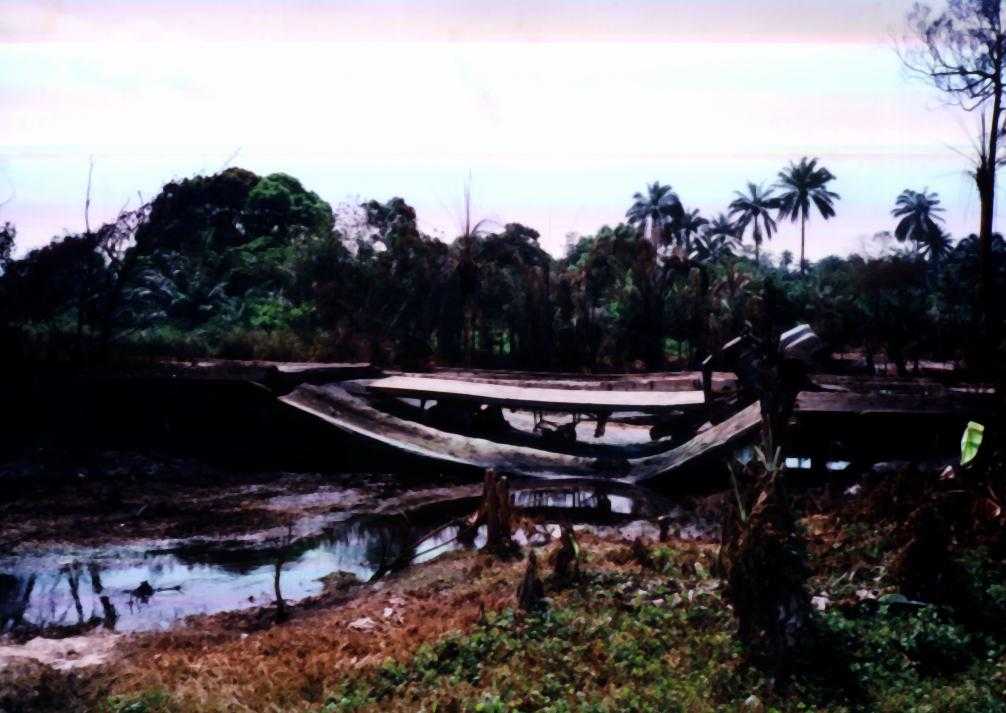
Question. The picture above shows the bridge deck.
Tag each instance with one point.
(946, 403)
(352, 414)
(648, 381)
(539, 399)
(839, 415)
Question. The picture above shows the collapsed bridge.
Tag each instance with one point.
(502, 420)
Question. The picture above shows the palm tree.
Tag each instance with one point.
(754, 209)
(918, 212)
(717, 241)
(655, 210)
(687, 226)
(721, 225)
(802, 184)
(937, 246)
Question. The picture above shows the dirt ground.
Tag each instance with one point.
(121, 498)
(117, 497)
(355, 633)
(245, 662)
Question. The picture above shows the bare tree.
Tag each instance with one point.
(113, 241)
(961, 48)
(468, 270)
(87, 196)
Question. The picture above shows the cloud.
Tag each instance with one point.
(864, 21)
(557, 133)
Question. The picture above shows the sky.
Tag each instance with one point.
(558, 111)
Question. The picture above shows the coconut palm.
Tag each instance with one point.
(721, 226)
(717, 241)
(655, 210)
(937, 246)
(686, 227)
(801, 184)
(918, 212)
(754, 210)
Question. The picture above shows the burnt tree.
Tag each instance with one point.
(962, 50)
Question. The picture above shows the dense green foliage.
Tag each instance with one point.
(237, 265)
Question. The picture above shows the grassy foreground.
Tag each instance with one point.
(628, 639)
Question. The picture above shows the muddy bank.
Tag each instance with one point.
(103, 497)
(139, 543)
(653, 629)
(349, 626)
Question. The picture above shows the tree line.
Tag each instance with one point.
(242, 266)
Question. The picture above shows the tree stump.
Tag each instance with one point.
(925, 567)
(641, 554)
(664, 523)
(765, 567)
(566, 562)
(531, 592)
(496, 514)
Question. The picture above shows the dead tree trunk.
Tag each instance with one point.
(281, 612)
(985, 180)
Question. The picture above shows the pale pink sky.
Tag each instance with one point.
(559, 110)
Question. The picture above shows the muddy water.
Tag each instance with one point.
(142, 588)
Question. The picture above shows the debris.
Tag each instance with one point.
(602, 421)
(338, 582)
(556, 433)
(143, 592)
(363, 624)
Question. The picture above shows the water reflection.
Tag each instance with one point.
(151, 591)
(130, 590)
(579, 499)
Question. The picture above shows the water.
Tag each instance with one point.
(131, 589)
(106, 588)
(794, 463)
(580, 499)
